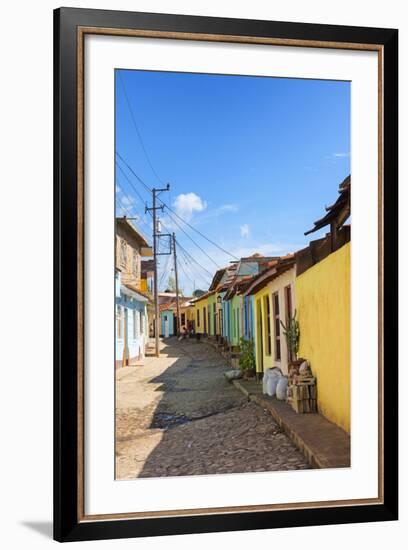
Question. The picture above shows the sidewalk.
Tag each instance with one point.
(324, 444)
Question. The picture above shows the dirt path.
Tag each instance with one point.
(177, 415)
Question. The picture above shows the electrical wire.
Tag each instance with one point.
(137, 127)
(193, 241)
(193, 259)
(175, 213)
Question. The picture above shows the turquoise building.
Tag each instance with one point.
(167, 325)
(131, 325)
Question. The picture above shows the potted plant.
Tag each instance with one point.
(292, 334)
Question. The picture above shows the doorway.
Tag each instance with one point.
(259, 340)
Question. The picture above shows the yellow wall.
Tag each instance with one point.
(263, 361)
(277, 285)
(323, 305)
(189, 313)
(200, 306)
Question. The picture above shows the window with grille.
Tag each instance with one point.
(267, 308)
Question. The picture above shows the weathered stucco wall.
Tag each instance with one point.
(201, 322)
(264, 360)
(323, 305)
(211, 301)
(236, 321)
(170, 318)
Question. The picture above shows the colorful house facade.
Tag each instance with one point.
(131, 302)
(167, 324)
(323, 304)
(274, 302)
(237, 310)
(168, 316)
(201, 314)
(248, 320)
(212, 313)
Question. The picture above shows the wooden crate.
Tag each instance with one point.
(302, 394)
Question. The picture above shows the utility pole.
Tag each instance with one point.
(177, 287)
(155, 193)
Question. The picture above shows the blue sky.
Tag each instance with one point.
(251, 161)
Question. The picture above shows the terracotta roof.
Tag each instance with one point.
(217, 278)
(172, 305)
(230, 277)
(167, 306)
(239, 286)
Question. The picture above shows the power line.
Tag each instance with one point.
(185, 274)
(124, 208)
(130, 207)
(193, 269)
(169, 209)
(192, 276)
(194, 260)
(130, 183)
(175, 213)
(139, 179)
(199, 232)
(193, 241)
(137, 128)
(165, 267)
(187, 253)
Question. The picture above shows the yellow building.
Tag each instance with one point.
(323, 305)
(187, 314)
(201, 314)
(274, 302)
(220, 277)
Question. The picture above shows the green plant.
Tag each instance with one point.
(247, 356)
(292, 332)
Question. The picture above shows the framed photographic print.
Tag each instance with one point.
(225, 274)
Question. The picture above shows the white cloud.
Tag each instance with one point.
(188, 203)
(216, 212)
(244, 230)
(128, 202)
(227, 208)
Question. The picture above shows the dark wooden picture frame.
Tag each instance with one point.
(70, 27)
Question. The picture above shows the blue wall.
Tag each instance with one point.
(226, 316)
(133, 316)
(170, 316)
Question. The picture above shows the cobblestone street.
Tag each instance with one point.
(177, 415)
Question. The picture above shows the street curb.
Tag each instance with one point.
(315, 458)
